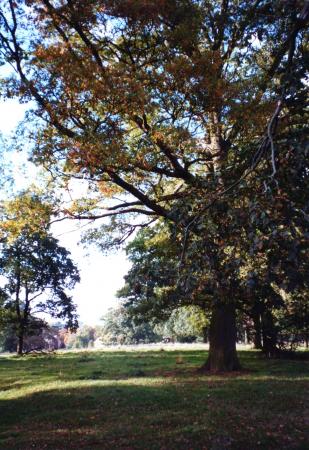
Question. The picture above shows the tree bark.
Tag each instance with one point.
(23, 321)
(20, 335)
(257, 331)
(269, 335)
(222, 331)
(20, 344)
(222, 340)
(205, 335)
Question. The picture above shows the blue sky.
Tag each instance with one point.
(101, 276)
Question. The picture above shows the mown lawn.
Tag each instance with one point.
(151, 400)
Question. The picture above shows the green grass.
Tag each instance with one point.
(151, 400)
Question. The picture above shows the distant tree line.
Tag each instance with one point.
(184, 325)
(42, 337)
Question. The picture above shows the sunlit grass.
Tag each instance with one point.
(150, 400)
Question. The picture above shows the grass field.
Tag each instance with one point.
(151, 400)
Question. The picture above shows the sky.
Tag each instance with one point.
(101, 276)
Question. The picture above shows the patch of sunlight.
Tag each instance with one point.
(278, 378)
(67, 385)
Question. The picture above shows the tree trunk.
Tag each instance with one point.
(269, 335)
(257, 331)
(222, 331)
(205, 335)
(20, 344)
(222, 340)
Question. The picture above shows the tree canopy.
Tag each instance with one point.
(156, 100)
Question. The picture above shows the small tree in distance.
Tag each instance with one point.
(36, 271)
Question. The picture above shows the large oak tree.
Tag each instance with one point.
(166, 107)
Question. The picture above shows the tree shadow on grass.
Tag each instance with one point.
(231, 414)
